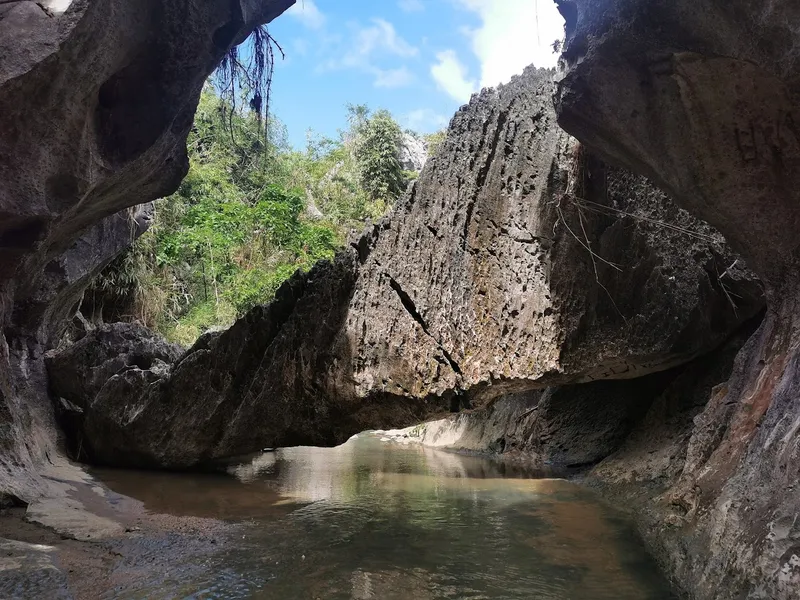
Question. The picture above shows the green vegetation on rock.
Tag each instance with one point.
(250, 212)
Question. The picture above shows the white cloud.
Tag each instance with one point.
(369, 47)
(513, 34)
(411, 5)
(393, 78)
(307, 12)
(451, 76)
(382, 35)
(424, 120)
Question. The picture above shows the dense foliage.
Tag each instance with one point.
(435, 141)
(249, 214)
(379, 170)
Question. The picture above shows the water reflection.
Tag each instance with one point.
(376, 520)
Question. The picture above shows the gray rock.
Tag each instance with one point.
(31, 571)
(517, 261)
(95, 105)
(79, 374)
(702, 96)
(482, 279)
(559, 429)
(412, 152)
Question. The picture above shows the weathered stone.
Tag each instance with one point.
(80, 373)
(517, 261)
(412, 152)
(702, 96)
(31, 571)
(559, 428)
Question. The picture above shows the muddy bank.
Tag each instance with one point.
(92, 541)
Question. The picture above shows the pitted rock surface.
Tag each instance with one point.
(517, 261)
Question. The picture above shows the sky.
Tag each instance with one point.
(419, 59)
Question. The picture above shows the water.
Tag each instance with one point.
(379, 520)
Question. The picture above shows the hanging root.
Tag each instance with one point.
(575, 195)
(728, 294)
(252, 80)
(575, 190)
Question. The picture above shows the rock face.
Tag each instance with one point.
(517, 261)
(96, 100)
(631, 426)
(412, 152)
(558, 428)
(703, 98)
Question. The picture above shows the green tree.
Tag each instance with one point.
(377, 140)
(435, 141)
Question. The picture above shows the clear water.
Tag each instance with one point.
(378, 520)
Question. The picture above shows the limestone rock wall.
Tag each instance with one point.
(702, 96)
(515, 262)
(412, 152)
(96, 100)
(518, 259)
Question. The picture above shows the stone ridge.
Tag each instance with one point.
(516, 261)
(495, 262)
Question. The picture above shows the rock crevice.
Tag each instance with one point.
(522, 287)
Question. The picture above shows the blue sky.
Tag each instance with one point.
(420, 59)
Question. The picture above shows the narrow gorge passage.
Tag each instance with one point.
(323, 299)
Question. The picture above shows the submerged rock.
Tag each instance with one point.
(517, 261)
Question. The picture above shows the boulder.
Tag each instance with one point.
(80, 372)
(517, 261)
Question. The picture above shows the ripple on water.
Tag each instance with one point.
(377, 520)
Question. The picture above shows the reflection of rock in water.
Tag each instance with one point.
(391, 585)
(386, 521)
(581, 534)
(194, 495)
(260, 466)
(306, 474)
